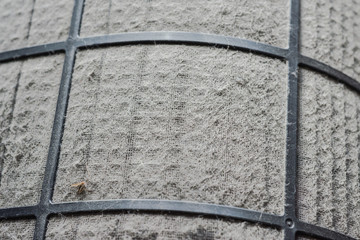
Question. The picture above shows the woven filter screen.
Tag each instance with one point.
(179, 122)
(27, 106)
(159, 227)
(33, 22)
(263, 21)
(330, 32)
(176, 122)
(17, 229)
(329, 164)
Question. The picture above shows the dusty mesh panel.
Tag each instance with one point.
(51, 21)
(145, 226)
(330, 32)
(18, 13)
(328, 154)
(176, 122)
(263, 21)
(17, 229)
(28, 99)
(33, 22)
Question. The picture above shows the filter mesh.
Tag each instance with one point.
(30, 91)
(50, 21)
(328, 156)
(17, 229)
(132, 226)
(176, 122)
(181, 123)
(33, 22)
(330, 32)
(263, 21)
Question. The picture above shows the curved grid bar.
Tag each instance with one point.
(188, 38)
(45, 207)
(32, 51)
(168, 206)
(331, 72)
(180, 207)
(187, 207)
(320, 232)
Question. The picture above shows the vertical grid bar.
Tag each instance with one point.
(59, 121)
(292, 123)
(76, 19)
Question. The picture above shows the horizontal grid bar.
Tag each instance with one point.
(146, 205)
(32, 51)
(169, 206)
(180, 38)
(174, 207)
(320, 232)
(183, 38)
(331, 72)
(18, 212)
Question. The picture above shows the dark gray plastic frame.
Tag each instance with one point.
(289, 222)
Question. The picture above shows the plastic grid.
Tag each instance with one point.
(288, 222)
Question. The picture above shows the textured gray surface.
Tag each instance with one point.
(176, 122)
(17, 14)
(329, 189)
(264, 21)
(330, 32)
(17, 229)
(51, 21)
(33, 22)
(151, 227)
(27, 114)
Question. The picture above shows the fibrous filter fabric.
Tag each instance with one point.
(263, 21)
(330, 32)
(176, 122)
(151, 227)
(328, 172)
(17, 229)
(180, 122)
(29, 92)
(33, 22)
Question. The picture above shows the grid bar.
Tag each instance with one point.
(54, 149)
(76, 19)
(56, 137)
(147, 205)
(181, 38)
(288, 222)
(18, 212)
(32, 51)
(331, 72)
(182, 207)
(169, 206)
(320, 232)
(58, 126)
(292, 123)
(188, 38)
